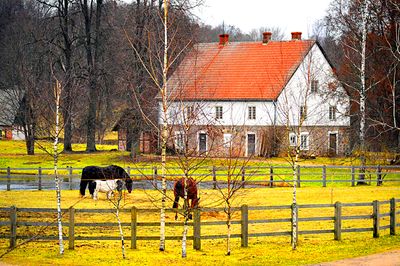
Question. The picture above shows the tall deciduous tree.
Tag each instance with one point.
(366, 32)
(91, 11)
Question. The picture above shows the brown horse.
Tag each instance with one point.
(179, 192)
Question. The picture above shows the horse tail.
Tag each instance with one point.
(83, 186)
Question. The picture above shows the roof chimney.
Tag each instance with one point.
(296, 35)
(223, 39)
(266, 37)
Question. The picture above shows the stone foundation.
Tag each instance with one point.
(269, 141)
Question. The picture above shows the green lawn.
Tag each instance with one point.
(12, 154)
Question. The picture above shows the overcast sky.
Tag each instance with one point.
(289, 15)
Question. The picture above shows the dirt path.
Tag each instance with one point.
(390, 258)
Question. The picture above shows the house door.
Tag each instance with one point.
(251, 144)
(332, 144)
(202, 142)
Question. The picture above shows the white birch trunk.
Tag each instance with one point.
(228, 238)
(294, 201)
(228, 213)
(121, 233)
(57, 92)
(363, 89)
(394, 101)
(164, 133)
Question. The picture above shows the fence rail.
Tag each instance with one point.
(211, 177)
(14, 222)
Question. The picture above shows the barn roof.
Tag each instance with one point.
(237, 70)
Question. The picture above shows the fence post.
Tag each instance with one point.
(214, 174)
(243, 176)
(196, 230)
(298, 175)
(271, 176)
(393, 216)
(70, 177)
(376, 217)
(155, 177)
(245, 225)
(338, 221)
(379, 175)
(40, 178)
(71, 228)
(294, 224)
(133, 227)
(8, 179)
(13, 227)
(353, 176)
(324, 176)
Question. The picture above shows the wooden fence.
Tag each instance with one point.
(210, 177)
(14, 228)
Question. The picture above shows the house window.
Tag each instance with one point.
(304, 141)
(189, 111)
(252, 112)
(218, 112)
(303, 112)
(332, 112)
(251, 144)
(202, 142)
(227, 140)
(292, 139)
(179, 141)
(314, 86)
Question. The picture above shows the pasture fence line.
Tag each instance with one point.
(264, 176)
(18, 224)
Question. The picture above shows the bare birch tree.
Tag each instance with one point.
(57, 94)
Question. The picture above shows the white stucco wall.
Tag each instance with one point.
(233, 113)
(298, 93)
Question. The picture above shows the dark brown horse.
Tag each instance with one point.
(179, 192)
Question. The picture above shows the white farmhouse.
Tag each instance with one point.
(257, 98)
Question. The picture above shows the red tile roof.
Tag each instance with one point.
(237, 71)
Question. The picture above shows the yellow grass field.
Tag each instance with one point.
(261, 251)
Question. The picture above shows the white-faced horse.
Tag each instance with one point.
(91, 173)
(107, 186)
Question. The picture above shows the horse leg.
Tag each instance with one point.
(190, 217)
(82, 187)
(92, 187)
(175, 205)
(110, 194)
